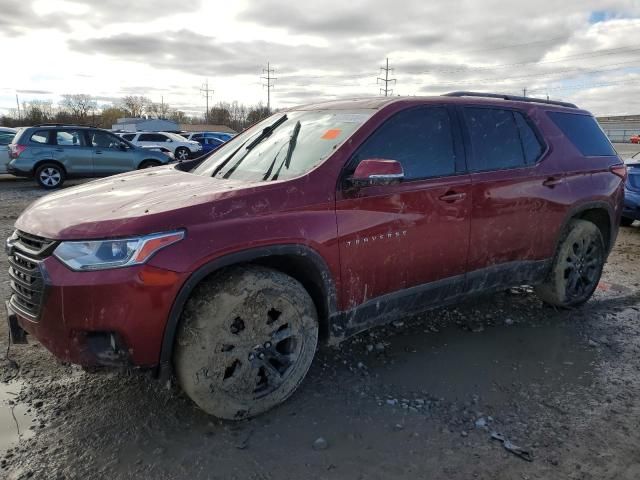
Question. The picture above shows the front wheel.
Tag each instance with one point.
(182, 153)
(149, 164)
(247, 338)
(50, 175)
(577, 268)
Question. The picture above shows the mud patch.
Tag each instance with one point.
(15, 420)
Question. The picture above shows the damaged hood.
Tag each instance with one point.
(135, 203)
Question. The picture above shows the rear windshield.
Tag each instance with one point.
(585, 133)
(298, 141)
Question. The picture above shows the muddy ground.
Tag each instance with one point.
(418, 399)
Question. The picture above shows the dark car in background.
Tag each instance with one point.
(52, 153)
(631, 211)
(224, 136)
(209, 144)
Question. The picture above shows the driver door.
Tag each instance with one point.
(109, 155)
(414, 233)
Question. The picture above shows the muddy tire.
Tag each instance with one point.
(246, 340)
(577, 267)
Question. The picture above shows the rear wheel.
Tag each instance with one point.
(182, 153)
(577, 267)
(50, 175)
(626, 222)
(247, 339)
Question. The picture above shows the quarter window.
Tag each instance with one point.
(585, 133)
(419, 138)
(495, 139)
(40, 136)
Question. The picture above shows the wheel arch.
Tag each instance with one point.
(39, 163)
(601, 214)
(298, 261)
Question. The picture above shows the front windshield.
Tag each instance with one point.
(300, 141)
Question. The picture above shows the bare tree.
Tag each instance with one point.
(135, 105)
(79, 105)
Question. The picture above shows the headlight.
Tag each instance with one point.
(116, 253)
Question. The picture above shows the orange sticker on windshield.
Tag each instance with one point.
(331, 134)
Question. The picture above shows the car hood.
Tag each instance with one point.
(135, 203)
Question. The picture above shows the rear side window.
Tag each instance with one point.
(531, 146)
(495, 139)
(128, 136)
(152, 137)
(585, 133)
(420, 139)
(70, 138)
(40, 136)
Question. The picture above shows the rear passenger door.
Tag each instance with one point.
(71, 149)
(515, 195)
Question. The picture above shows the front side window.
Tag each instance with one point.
(283, 146)
(152, 137)
(104, 140)
(70, 138)
(420, 139)
(495, 139)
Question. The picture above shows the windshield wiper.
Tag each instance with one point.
(293, 141)
(266, 132)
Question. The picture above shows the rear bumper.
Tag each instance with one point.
(18, 172)
(113, 317)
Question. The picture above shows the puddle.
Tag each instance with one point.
(14, 419)
(455, 364)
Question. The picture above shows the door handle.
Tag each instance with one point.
(451, 197)
(553, 181)
(98, 152)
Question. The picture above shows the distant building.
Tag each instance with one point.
(145, 125)
(620, 128)
(188, 127)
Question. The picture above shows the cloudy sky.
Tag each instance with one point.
(578, 50)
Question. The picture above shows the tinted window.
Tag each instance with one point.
(6, 137)
(128, 136)
(584, 132)
(152, 137)
(419, 138)
(70, 138)
(531, 146)
(40, 136)
(495, 139)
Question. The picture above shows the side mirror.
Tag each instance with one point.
(377, 172)
(123, 146)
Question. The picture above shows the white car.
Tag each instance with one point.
(6, 137)
(181, 147)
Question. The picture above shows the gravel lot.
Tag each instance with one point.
(417, 399)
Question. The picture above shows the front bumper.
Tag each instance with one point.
(109, 317)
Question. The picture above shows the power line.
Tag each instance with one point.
(386, 80)
(270, 83)
(204, 90)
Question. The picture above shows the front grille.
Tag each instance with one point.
(26, 252)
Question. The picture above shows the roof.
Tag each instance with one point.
(377, 103)
(134, 121)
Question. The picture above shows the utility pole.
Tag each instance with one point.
(162, 106)
(270, 79)
(386, 80)
(206, 93)
(18, 104)
(524, 92)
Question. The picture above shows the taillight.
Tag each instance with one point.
(620, 170)
(15, 149)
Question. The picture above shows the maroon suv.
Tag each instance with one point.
(316, 223)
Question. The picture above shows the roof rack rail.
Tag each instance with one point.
(515, 98)
(63, 125)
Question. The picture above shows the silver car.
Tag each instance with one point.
(6, 137)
